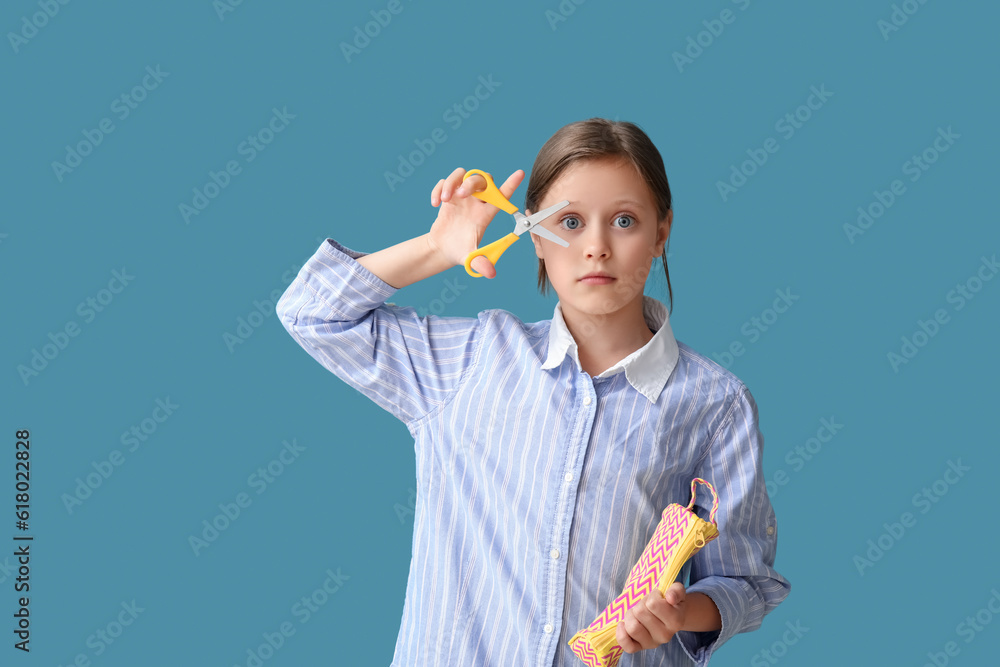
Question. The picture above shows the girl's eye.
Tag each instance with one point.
(624, 221)
(570, 223)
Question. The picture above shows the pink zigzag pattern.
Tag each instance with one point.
(676, 522)
(645, 572)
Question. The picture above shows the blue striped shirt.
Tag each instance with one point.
(538, 486)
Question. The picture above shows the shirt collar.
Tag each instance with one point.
(647, 369)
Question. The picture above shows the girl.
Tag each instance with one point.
(547, 450)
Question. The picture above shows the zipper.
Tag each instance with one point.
(702, 533)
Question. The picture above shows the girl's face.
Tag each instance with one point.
(613, 237)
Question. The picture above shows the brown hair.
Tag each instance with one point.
(599, 138)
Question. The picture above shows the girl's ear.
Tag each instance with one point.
(663, 231)
(534, 238)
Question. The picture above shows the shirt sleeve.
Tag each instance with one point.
(736, 570)
(408, 365)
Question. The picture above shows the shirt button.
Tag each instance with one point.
(586, 400)
(548, 627)
(569, 477)
(554, 553)
(770, 530)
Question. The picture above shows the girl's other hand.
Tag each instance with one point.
(462, 218)
(653, 621)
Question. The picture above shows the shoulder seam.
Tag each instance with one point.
(726, 421)
(417, 423)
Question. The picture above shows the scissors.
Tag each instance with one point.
(522, 223)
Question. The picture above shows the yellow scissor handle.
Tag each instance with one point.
(491, 251)
(492, 194)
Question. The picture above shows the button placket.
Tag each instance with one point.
(561, 526)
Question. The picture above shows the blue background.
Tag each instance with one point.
(343, 504)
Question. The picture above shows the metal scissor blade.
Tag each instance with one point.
(535, 218)
(538, 230)
(532, 223)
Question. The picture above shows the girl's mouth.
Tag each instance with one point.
(596, 279)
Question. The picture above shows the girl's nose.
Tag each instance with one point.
(596, 244)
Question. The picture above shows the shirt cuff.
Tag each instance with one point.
(347, 288)
(730, 597)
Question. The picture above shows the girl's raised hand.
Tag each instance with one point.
(462, 218)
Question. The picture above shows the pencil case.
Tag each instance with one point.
(679, 536)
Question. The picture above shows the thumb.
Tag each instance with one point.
(510, 185)
(675, 593)
(484, 266)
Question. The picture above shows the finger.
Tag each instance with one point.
(656, 617)
(626, 642)
(651, 611)
(474, 183)
(508, 187)
(451, 183)
(660, 618)
(483, 265)
(436, 193)
(637, 631)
